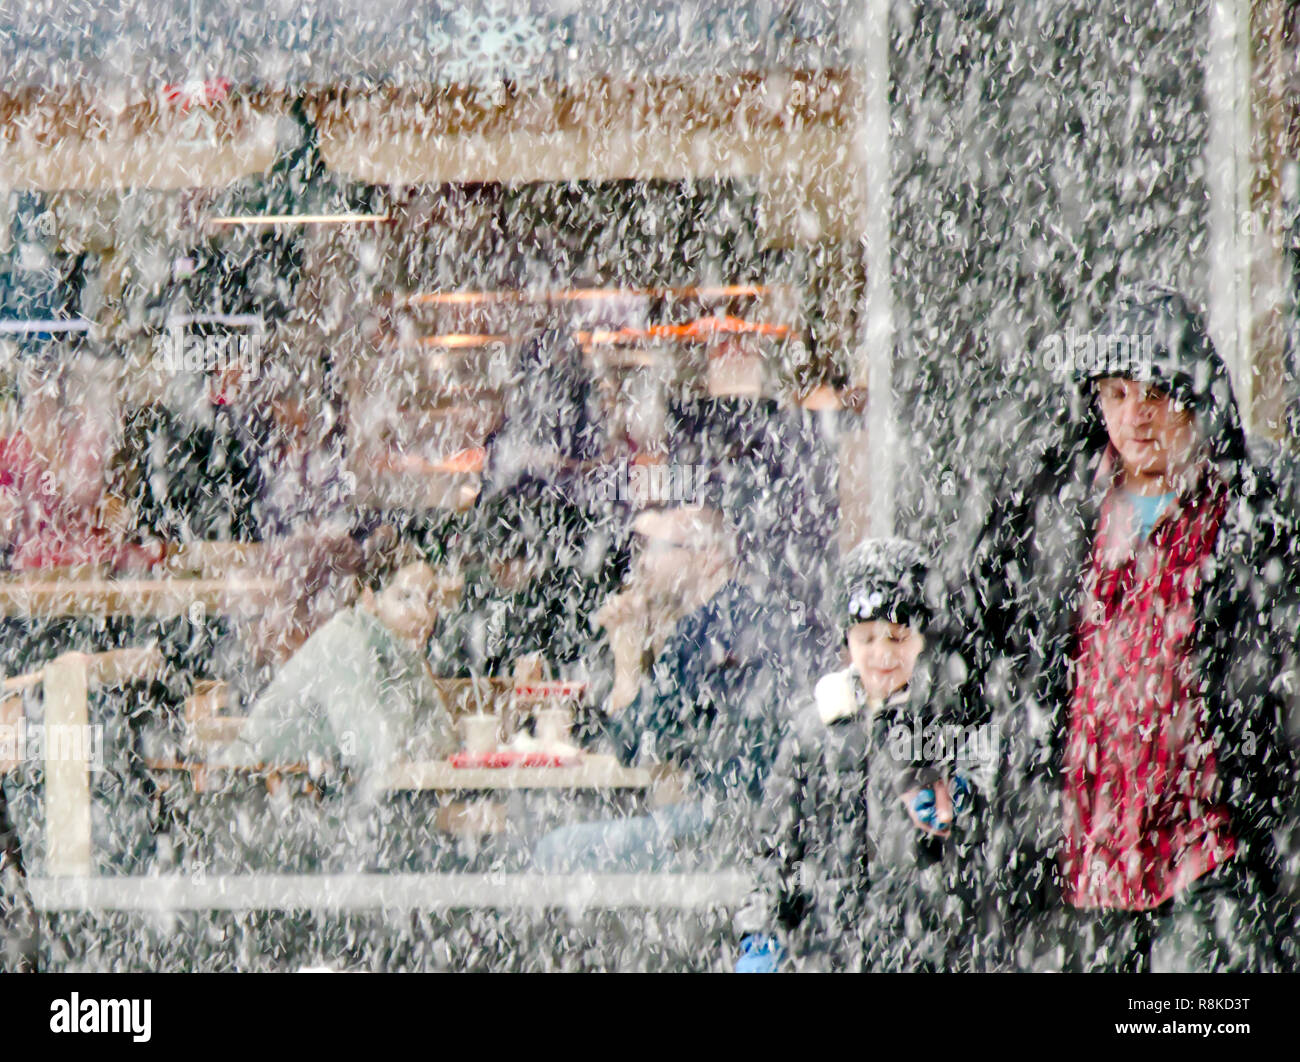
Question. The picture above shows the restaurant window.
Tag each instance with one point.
(396, 493)
(474, 389)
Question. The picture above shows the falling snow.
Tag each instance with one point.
(649, 486)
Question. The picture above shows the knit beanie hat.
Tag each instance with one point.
(883, 579)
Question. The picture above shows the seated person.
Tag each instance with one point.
(192, 469)
(714, 705)
(637, 622)
(548, 564)
(546, 432)
(305, 484)
(311, 550)
(358, 693)
(56, 509)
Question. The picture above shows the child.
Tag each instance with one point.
(849, 880)
(359, 691)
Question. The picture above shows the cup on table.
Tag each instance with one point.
(480, 732)
(530, 668)
(553, 725)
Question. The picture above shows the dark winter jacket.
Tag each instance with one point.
(720, 691)
(546, 425)
(580, 557)
(18, 934)
(844, 878)
(199, 480)
(1014, 615)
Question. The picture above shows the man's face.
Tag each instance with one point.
(884, 655)
(1153, 434)
(678, 549)
(407, 606)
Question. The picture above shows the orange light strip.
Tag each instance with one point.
(700, 330)
(461, 340)
(703, 329)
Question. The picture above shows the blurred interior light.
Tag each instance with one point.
(460, 341)
(462, 298)
(700, 330)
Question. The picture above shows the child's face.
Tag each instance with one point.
(884, 654)
(407, 606)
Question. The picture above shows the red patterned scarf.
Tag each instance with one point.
(1140, 803)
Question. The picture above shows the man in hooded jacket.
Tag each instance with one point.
(18, 932)
(1128, 621)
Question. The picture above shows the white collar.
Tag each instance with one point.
(839, 695)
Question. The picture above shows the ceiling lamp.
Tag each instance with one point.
(251, 257)
(298, 189)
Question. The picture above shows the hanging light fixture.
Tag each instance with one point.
(298, 189)
(251, 258)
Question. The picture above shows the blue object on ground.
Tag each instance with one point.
(759, 953)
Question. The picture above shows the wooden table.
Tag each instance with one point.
(204, 775)
(479, 814)
(28, 596)
(594, 772)
(482, 813)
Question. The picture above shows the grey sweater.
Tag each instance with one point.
(353, 694)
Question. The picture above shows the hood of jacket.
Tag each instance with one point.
(1152, 334)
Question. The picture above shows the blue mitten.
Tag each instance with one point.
(925, 810)
(962, 795)
(759, 953)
